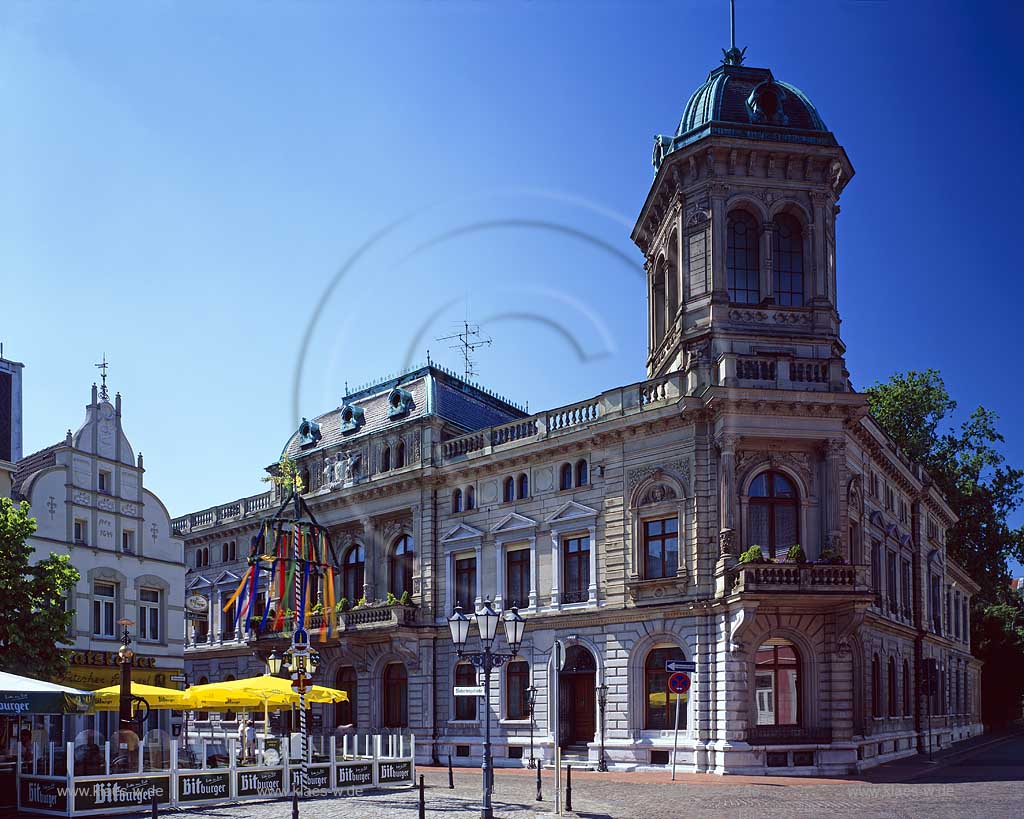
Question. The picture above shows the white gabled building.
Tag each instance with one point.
(88, 497)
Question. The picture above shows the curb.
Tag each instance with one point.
(957, 755)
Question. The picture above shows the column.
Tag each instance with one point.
(767, 277)
(835, 452)
(449, 585)
(370, 553)
(818, 262)
(556, 569)
(479, 552)
(592, 588)
(534, 571)
(727, 494)
(217, 617)
(720, 284)
(499, 574)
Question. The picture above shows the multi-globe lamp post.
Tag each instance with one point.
(486, 660)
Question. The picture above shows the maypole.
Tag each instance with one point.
(301, 542)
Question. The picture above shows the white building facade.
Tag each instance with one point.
(88, 496)
(617, 523)
(10, 422)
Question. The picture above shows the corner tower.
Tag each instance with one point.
(738, 236)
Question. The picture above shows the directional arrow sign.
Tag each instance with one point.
(672, 666)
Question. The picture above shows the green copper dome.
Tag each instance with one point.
(749, 103)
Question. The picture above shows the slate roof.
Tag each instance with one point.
(435, 393)
(30, 464)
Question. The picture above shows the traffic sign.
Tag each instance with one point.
(671, 666)
(469, 691)
(679, 683)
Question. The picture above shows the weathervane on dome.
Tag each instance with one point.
(734, 56)
(103, 369)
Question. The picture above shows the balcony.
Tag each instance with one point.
(801, 578)
(365, 620)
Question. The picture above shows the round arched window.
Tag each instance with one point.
(352, 574)
(774, 514)
(401, 566)
(777, 677)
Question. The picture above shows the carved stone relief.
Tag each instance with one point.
(637, 476)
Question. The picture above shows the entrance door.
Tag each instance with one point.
(577, 698)
(584, 722)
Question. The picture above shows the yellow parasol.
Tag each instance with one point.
(252, 692)
(109, 698)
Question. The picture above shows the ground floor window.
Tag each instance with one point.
(465, 707)
(517, 680)
(396, 696)
(659, 702)
(345, 712)
(777, 690)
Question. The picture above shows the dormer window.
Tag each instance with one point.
(352, 418)
(309, 433)
(765, 104)
(399, 402)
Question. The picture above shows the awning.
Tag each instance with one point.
(256, 692)
(23, 695)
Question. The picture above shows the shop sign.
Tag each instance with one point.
(259, 783)
(318, 777)
(394, 772)
(197, 787)
(355, 775)
(44, 794)
(136, 791)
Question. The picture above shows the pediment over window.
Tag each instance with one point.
(513, 522)
(462, 532)
(572, 512)
(227, 577)
(199, 582)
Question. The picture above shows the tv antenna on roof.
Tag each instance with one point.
(466, 342)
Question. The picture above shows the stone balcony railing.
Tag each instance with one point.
(370, 618)
(240, 509)
(617, 403)
(792, 578)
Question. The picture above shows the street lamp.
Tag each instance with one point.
(531, 702)
(487, 623)
(274, 664)
(602, 702)
(302, 661)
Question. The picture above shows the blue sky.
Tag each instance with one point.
(182, 182)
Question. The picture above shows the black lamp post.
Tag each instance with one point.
(602, 703)
(487, 622)
(531, 702)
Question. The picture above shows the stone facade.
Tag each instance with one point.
(89, 501)
(617, 523)
(10, 422)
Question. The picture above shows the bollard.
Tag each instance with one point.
(423, 804)
(540, 798)
(155, 810)
(568, 787)
(295, 805)
(451, 776)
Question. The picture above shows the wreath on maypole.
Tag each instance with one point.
(288, 558)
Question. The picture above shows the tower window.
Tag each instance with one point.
(788, 261)
(741, 259)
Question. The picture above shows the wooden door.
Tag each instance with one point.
(584, 721)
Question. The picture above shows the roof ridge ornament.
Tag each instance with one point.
(734, 56)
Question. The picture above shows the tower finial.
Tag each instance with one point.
(734, 56)
(103, 369)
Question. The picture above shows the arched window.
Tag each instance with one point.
(456, 501)
(400, 455)
(788, 261)
(658, 301)
(470, 498)
(876, 687)
(202, 715)
(353, 574)
(582, 475)
(401, 566)
(224, 553)
(465, 707)
(517, 681)
(206, 555)
(396, 696)
(742, 266)
(659, 702)
(524, 486)
(892, 687)
(345, 712)
(508, 493)
(906, 689)
(777, 675)
(385, 459)
(565, 477)
(199, 558)
(774, 507)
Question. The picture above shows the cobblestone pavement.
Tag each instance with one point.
(988, 784)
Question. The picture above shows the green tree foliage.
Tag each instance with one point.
(33, 623)
(286, 475)
(968, 467)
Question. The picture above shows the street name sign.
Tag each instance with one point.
(469, 691)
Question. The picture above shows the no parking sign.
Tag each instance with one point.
(679, 683)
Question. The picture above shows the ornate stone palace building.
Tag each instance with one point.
(618, 522)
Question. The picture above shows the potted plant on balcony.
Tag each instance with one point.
(831, 557)
(754, 555)
(796, 554)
